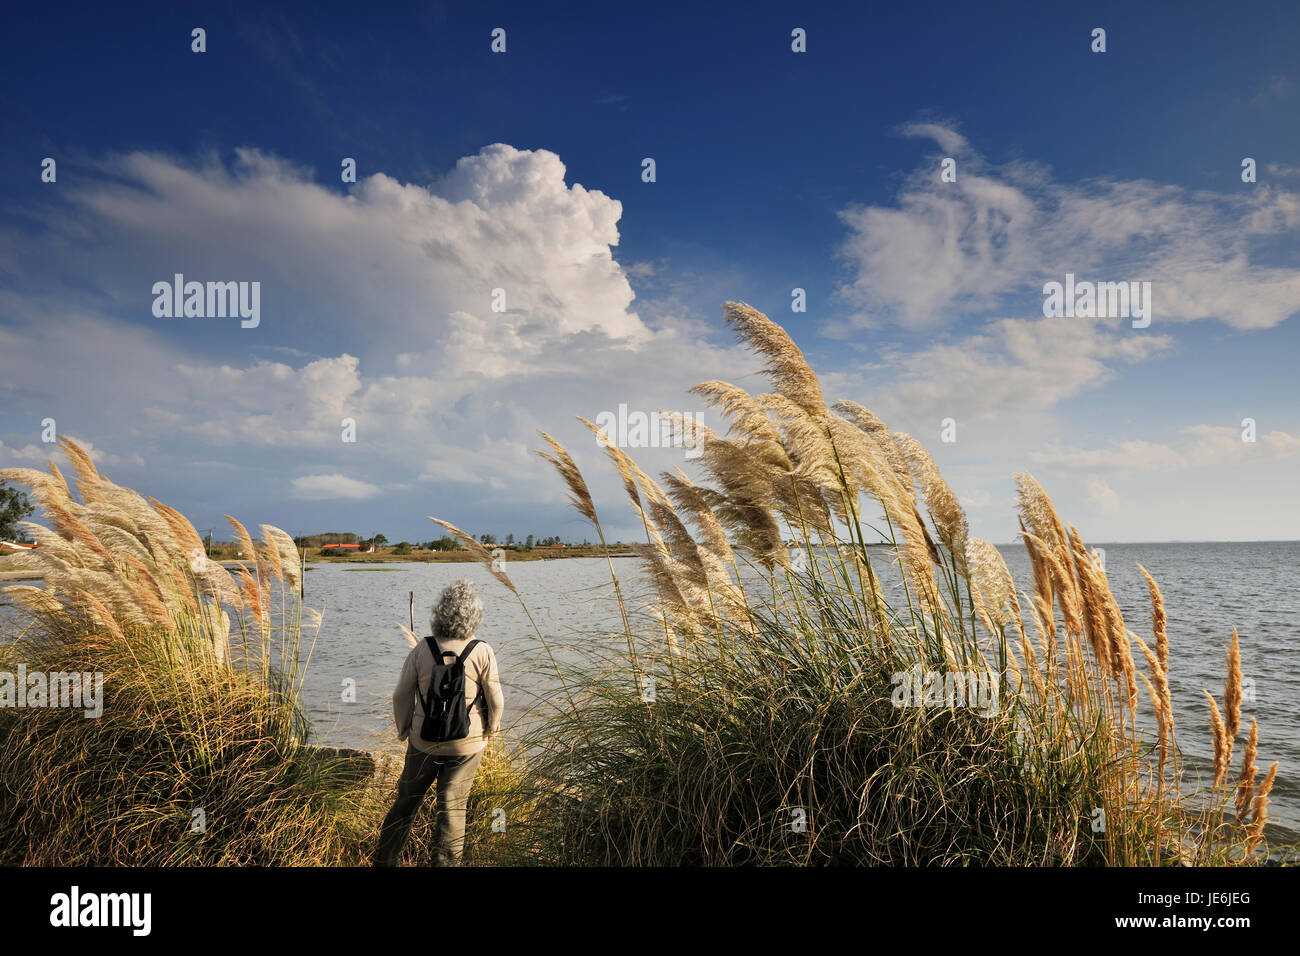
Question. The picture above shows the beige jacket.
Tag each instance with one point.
(480, 671)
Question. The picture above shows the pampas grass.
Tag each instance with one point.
(775, 732)
(203, 753)
(777, 694)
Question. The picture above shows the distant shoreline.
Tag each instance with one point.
(314, 556)
(464, 555)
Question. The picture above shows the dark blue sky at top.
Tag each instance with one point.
(757, 149)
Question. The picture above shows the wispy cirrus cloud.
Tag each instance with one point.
(946, 250)
(1011, 365)
(1203, 446)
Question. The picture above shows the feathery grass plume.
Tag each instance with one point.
(53, 550)
(1259, 812)
(271, 555)
(687, 497)
(745, 503)
(1046, 522)
(480, 552)
(133, 571)
(57, 475)
(289, 560)
(1232, 691)
(219, 633)
(945, 511)
(245, 540)
(815, 505)
(254, 585)
(1154, 695)
(815, 641)
(1249, 773)
(104, 513)
(1042, 576)
(186, 536)
(154, 530)
(563, 462)
(883, 468)
(786, 367)
(995, 560)
(1102, 620)
(1161, 702)
(116, 532)
(88, 477)
(747, 418)
(988, 578)
(1120, 643)
(252, 597)
(861, 456)
(116, 541)
(1068, 597)
(627, 471)
(807, 442)
(681, 545)
(109, 587)
(1046, 631)
(104, 519)
(982, 611)
(917, 558)
(763, 442)
(1044, 512)
(713, 537)
(1221, 746)
(677, 608)
(102, 615)
(986, 569)
(1038, 512)
(71, 527)
(862, 459)
(180, 587)
(881, 437)
(677, 563)
(148, 592)
(1158, 620)
(41, 486)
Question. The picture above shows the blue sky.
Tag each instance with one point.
(775, 170)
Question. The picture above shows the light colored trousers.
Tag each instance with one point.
(454, 775)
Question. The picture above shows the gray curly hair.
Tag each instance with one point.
(458, 612)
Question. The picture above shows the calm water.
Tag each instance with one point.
(1208, 589)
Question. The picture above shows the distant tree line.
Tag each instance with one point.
(445, 543)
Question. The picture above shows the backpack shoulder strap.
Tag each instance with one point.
(464, 655)
(469, 649)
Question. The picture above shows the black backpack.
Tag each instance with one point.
(445, 715)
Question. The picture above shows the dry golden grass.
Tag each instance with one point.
(789, 466)
(774, 677)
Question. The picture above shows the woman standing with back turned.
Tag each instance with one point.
(451, 764)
